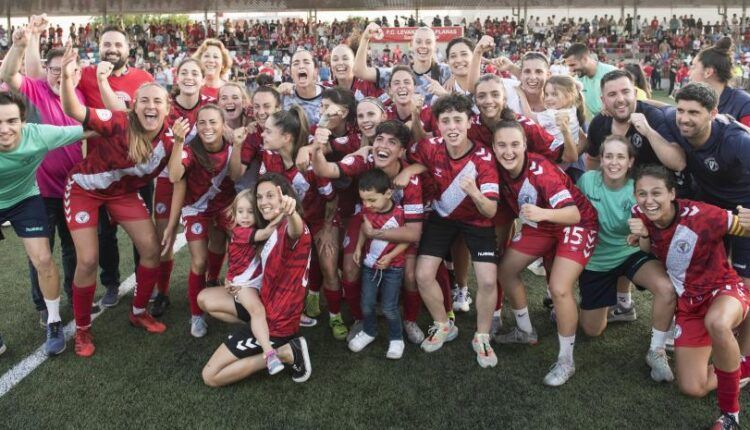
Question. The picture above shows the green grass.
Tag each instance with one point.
(138, 380)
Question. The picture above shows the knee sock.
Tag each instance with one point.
(333, 299)
(412, 305)
(145, 279)
(728, 390)
(53, 310)
(213, 266)
(83, 298)
(165, 274)
(196, 284)
(353, 296)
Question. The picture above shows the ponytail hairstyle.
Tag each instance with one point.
(569, 86)
(140, 146)
(286, 189)
(176, 88)
(294, 122)
(719, 58)
(506, 114)
(196, 143)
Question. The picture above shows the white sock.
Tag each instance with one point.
(624, 299)
(736, 416)
(333, 315)
(313, 293)
(566, 347)
(53, 310)
(522, 319)
(658, 338)
(138, 311)
(498, 313)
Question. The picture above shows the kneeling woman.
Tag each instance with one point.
(285, 262)
(688, 237)
(559, 223)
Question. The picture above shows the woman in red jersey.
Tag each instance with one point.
(216, 61)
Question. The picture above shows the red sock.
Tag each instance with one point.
(445, 285)
(196, 284)
(500, 296)
(316, 276)
(412, 305)
(165, 273)
(213, 266)
(333, 299)
(353, 296)
(145, 280)
(728, 390)
(83, 298)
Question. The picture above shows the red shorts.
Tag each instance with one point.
(573, 242)
(163, 198)
(690, 329)
(197, 226)
(349, 241)
(82, 207)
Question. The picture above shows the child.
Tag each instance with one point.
(383, 261)
(244, 277)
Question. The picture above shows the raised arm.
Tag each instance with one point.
(10, 69)
(175, 167)
(670, 154)
(236, 168)
(323, 167)
(70, 103)
(570, 144)
(110, 99)
(361, 69)
(485, 44)
(33, 62)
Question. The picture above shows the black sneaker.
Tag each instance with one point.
(161, 303)
(301, 368)
(725, 422)
(2, 346)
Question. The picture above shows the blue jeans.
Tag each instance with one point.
(389, 282)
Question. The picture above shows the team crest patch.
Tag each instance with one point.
(683, 246)
(677, 331)
(161, 208)
(712, 164)
(346, 240)
(82, 217)
(347, 161)
(104, 114)
(636, 140)
(517, 237)
(196, 228)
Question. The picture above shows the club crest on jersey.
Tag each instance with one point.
(347, 161)
(82, 217)
(517, 237)
(677, 331)
(711, 164)
(161, 208)
(683, 246)
(104, 114)
(637, 140)
(438, 172)
(196, 228)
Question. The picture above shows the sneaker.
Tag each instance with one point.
(669, 345)
(438, 334)
(160, 304)
(147, 322)
(413, 333)
(273, 363)
(726, 422)
(618, 313)
(485, 354)
(560, 372)
(84, 343)
(657, 360)
(312, 305)
(451, 315)
(462, 301)
(111, 297)
(198, 326)
(537, 268)
(154, 295)
(301, 368)
(338, 328)
(306, 321)
(2, 346)
(357, 327)
(395, 349)
(95, 308)
(497, 324)
(55, 344)
(516, 335)
(360, 341)
(547, 300)
(43, 315)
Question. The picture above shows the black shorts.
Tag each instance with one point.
(439, 234)
(599, 289)
(242, 343)
(28, 218)
(242, 313)
(739, 248)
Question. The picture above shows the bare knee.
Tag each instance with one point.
(692, 388)
(560, 292)
(198, 266)
(43, 262)
(209, 377)
(593, 330)
(718, 328)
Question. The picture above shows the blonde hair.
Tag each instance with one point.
(569, 86)
(140, 146)
(246, 194)
(226, 60)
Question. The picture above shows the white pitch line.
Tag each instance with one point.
(17, 373)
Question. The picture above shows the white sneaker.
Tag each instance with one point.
(659, 364)
(198, 326)
(395, 349)
(560, 372)
(360, 341)
(462, 301)
(485, 354)
(414, 334)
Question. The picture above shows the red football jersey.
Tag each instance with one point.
(251, 146)
(340, 146)
(538, 140)
(313, 191)
(429, 122)
(692, 247)
(360, 88)
(244, 264)
(207, 192)
(345, 188)
(178, 111)
(286, 265)
(124, 86)
(107, 169)
(409, 198)
(543, 184)
(376, 248)
(210, 92)
(451, 201)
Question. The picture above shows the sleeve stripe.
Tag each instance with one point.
(489, 188)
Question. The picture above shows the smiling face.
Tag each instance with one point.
(615, 160)
(342, 62)
(114, 47)
(303, 70)
(693, 119)
(268, 199)
(210, 126)
(231, 102)
(402, 87)
(423, 45)
(243, 214)
(490, 97)
(10, 127)
(189, 78)
(264, 105)
(368, 117)
(454, 126)
(509, 146)
(655, 200)
(575, 65)
(534, 74)
(459, 59)
(618, 97)
(387, 150)
(151, 106)
(555, 97)
(54, 74)
(212, 60)
(273, 137)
